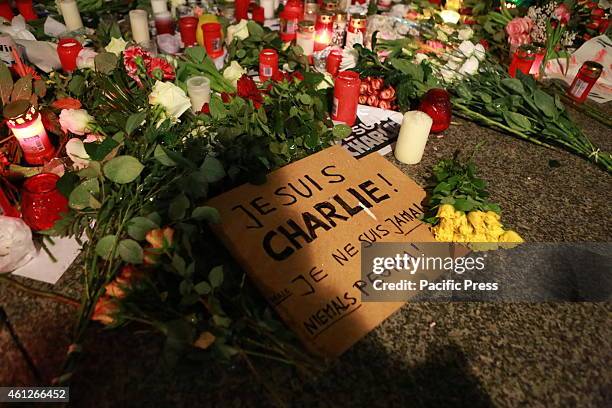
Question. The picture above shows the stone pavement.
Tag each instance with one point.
(426, 355)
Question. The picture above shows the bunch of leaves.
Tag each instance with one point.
(519, 106)
(194, 62)
(455, 182)
(246, 52)
(492, 25)
(292, 123)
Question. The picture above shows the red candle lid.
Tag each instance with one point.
(349, 76)
(211, 27)
(41, 183)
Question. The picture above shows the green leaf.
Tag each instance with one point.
(105, 62)
(123, 169)
(545, 103)
(213, 169)
(135, 121)
(40, 88)
(203, 288)
(178, 207)
(138, 227)
(67, 183)
(92, 170)
(79, 197)
(197, 53)
(179, 264)
(255, 29)
(205, 213)
(514, 85)
(105, 246)
(406, 67)
(6, 83)
(517, 121)
(130, 251)
(217, 108)
(103, 149)
(341, 131)
(77, 85)
(462, 204)
(215, 277)
(163, 157)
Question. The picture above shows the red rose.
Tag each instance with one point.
(377, 84)
(562, 14)
(226, 97)
(385, 105)
(387, 94)
(159, 68)
(603, 25)
(279, 76)
(484, 43)
(598, 12)
(363, 99)
(205, 109)
(297, 75)
(247, 89)
(587, 37)
(593, 25)
(373, 100)
(363, 88)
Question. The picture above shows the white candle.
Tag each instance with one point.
(159, 6)
(306, 41)
(198, 89)
(269, 8)
(70, 12)
(413, 137)
(139, 21)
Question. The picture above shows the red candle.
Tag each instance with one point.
(24, 121)
(268, 64)
(323, 30)
(523, 60)
(289, 20)
(188, 26)
(6, 11)
(259, 14)
(585, 80)
(26, 9)
(164, 23)
(41, 202)
(241, 11)
(436, 103)
(333, 62)
(68, 50)
(346, 97)
(212, 39)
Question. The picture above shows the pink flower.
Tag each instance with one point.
(160, 69)
(135, 60)
(519, 40)
(519, 25)
(562, 14)
(434, 44)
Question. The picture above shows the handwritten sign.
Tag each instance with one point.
(299, 237)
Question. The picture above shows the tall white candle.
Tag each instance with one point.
(159, 6)
(413, 137)
(306, 41)
(269, 8)
(198, 89)
(70, 12)
(139, 21)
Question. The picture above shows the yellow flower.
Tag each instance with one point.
(510, 236)
(462, 226)
(476, 218)
(444, 230)
(446, 211)
(492, 218)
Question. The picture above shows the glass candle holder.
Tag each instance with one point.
(356, 30)
(198, 89)
(41, 202)
(436, 103)
(585, 81)
(346, 97)
(188, 26)
(71, 15)
(258, 14)
(139, 23)
(311, 9)
(212, 39)
(323, 30)
(524, 60)
(339, 30)
(334, 59)
(288, 25)
(68, 50)
(305, 36)
(241, 11)
(6, 11)
(164, 23)
(24, 121)
(26, 9)
(330, 5)
(159, 6)
(268, 64)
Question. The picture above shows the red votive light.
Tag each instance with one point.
(268, 64)
(212, 39)
(346, 97)
(26, 124)
(332, 64)
(241, 10)
(436, 103)
(164, 24)
(188, 26)
(41, 202)
(525, 59)
(26, 9)
(6, 11)
(259, 14)
(289, 19)
(68, 50)
(585, 80)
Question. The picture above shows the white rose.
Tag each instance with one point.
(75, 148)
(466, 48)
(234, 72)
(447, 29)
(239, 31)
(76, 121)
(448, 74)
(469, 67)
(479, 52)
(465, 33)
(171, 97)
(327, 82)
(116, 46)
(85, 59)
(16, 246)
(420, 57)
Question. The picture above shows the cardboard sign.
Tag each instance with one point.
(299, 238)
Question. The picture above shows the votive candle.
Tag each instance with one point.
(68, 50)
(268, 64)
(24, 121)
(70, 12)
(305, 36)
(412, 137)
(269, 9)
(159, 6)
(164, 24)
(198, 89)
(188, 26)
(139, 22)
(346, 97)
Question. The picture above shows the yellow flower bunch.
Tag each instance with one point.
(475, 226)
